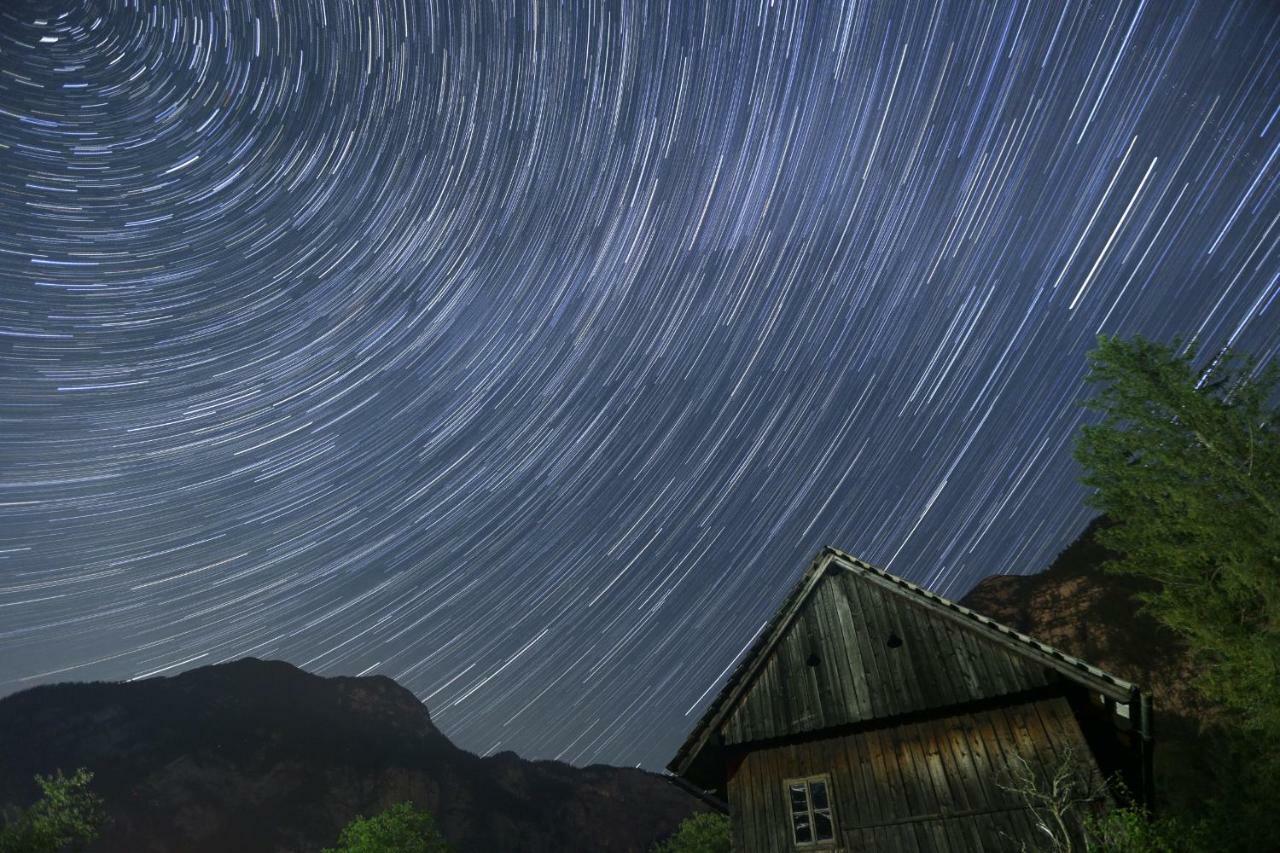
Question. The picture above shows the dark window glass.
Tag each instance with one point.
(800, 823)
(818, 790)
(799, 803)
(822, 826)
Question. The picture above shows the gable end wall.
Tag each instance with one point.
(857, 652)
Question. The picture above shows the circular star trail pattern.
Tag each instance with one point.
(526, 353)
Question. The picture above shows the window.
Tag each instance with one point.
(810, 801)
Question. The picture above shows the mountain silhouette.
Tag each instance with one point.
(259, 755)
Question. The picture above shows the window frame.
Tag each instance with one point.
(810, 811)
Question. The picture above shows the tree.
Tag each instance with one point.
(1187, 462)
(706, 832)
(1077, 811)
(399, 829)
(66, 817)
(1059, 798)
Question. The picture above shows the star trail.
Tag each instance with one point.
(525, 353)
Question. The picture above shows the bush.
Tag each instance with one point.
(67, 816)
(1132, 830)
(399, 829)
(707, 832)
(1187, 463)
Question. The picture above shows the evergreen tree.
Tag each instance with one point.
(1187, 462)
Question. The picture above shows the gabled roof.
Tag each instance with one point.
(831, 560)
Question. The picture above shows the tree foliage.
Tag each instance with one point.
(1187, 462)
(705, 832)
(399, 829)
(66, 817)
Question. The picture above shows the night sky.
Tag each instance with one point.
(527, 353)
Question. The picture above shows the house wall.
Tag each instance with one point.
(859, 652)
(930, 785)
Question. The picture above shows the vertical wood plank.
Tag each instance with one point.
(740, 805)
(858, 674)
(893, 801)
(777, 810)
(891, 619)
(935, 788)
(918, 790)
(987, 744)
(876, 677)
(953, 746)
(871, 806)
(833, 656)
(941, 768)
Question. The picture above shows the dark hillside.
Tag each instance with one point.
(1084, 611)
(259, 755)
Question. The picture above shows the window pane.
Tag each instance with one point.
(822, 826)
(818, 790)
(799, 802)
(800, 825)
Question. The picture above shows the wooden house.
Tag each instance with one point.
(871, 714)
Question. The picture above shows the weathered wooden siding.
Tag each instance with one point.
(925, 786)
(845, 629)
